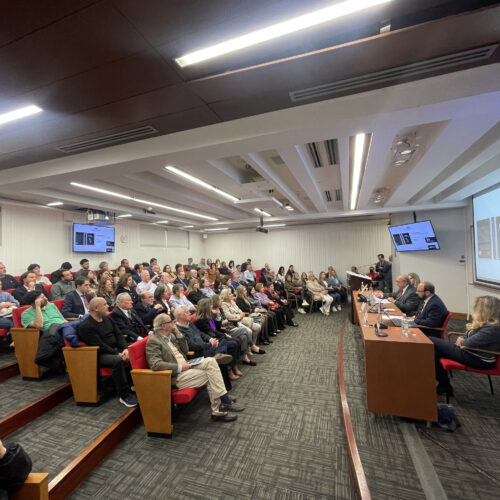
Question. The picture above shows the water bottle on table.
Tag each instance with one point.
(405, 325)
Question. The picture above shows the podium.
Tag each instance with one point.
(355, 282)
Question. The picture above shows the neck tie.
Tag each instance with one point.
(85, 301)
(420, 309)
(400, 294)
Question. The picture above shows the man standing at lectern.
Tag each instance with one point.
(384, 269)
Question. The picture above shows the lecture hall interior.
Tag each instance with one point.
(250, 249)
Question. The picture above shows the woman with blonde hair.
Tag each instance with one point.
(414, 279)
(478, 348)
(319, 293)
(234, 313)
(255, 313)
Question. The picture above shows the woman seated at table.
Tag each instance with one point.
(204, 322)
(205, 288)
(194, 294)
(126, 284)
(160, 295)
(241, 333)
(332, 291)
(270, 305)
(483, 334)
(284, 305)
(255, 313)
(233, 312)
(320, 293)
(105, 291)
(179, 299)
(414, 279)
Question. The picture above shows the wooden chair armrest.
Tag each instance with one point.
(27, 330)
(82, 348)
(35, 486)
(233, 320)
(458, 334)
(222, 328)
(190, 353)
(72, 319)
(479, 350)
(148, 371)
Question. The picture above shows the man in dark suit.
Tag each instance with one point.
(56, 275)
(28, 284)
(76, 304)
(405, 298)
(7, 280)
(127, 320)
(432, 312)
(384, 270)
(146, 310)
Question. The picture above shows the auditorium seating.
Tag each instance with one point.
(25, 345)
(154, 392)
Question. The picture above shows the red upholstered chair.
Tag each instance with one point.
(48, 276)
(10, 290)
(59, 304)
(4, 332)
(48, 288)
(445, 324)
(17, 278)
(25, 345)
(257, 273)
(154, 392)
(185, 267)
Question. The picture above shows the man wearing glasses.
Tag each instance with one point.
(166, 349)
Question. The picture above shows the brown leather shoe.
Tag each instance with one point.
(223, 359)
(231, 408)
(224, 417)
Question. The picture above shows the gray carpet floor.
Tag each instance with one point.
(7, 356)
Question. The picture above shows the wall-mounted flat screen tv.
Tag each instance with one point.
(88, 238)
(417, 236)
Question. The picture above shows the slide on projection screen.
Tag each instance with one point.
(487, 236)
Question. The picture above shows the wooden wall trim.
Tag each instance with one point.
(8, 371)
(71, 476)
(462, 316)
(358, 473)
(30, 412)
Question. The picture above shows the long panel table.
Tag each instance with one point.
(400, 373)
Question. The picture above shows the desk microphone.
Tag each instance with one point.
(380, 325)
(378, 333)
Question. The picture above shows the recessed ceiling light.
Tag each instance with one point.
(289, 208)
(262, 212)
(55, 204)
(144, 202)
(274, 225)
(187, 227)
(161, 222)
(19, 113)
(123, 216)
(277, 30)
(217, 229)
(406, 152)
(201, 183)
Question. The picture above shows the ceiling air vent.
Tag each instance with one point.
(405, 71)
(313, 152)
(338, 195)
(332, 150)
(108, 140)
(328, 196)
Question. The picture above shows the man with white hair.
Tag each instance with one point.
(7, 280)
(166, 349)
(146, 285)
(100, 330)
(127, 320)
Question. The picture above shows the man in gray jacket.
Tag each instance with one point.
(64, 286)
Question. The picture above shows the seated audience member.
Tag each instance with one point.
(273, 327)
(179, 299)
(15, 466)
(125, 263)
(146, 285)
(126, 284)
(42, 314)
(155, 274)
(405, 298)
(40, 278)
(227, 282)
(283, 304)
(76, 304)
(100, 330)
(231, 266)
(431, 312)
(240, 333)
(203, 264)
(245, 265)
(281, 274)
(84, 266)
(235, 314)
(205, 288)
(270, 305)
(257, 314)
(120, 271)
(218, 287)
(483, 334)
(161, 294)
(193, 274)
(88, 274)
(178, 269)
(213, 272)
(354, 269)
(334, 294)
(152, 263)
(250, 276)
(291, 270)
(264, 278)
(167, 348)
(104, 266)
(105, 291)
(146, 310)
(136, 272)
(191, 265)
(7, 304)
(334, 281)
(101, 275)
(27, 285)
(181, 280)
(167, 281)
(320, 293)
(297, 291)
(194, 294)
(64, 286)
(7, 280)
(56, 275)
(167, 269)
(237, 280)
(129, 323)
(414, 279)
(204, 322)
(223, 269)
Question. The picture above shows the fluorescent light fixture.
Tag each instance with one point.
(123, 216)
(55, 204)
(187, 227)
(262, 212)
(19, 113)
(361, 146)
(201, 183)
(217, 229)
(144, 202)
(277, 30)
(289, 208)
(161, 222)
(274, 225)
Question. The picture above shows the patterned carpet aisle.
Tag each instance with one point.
(7, 357)
(287, 444)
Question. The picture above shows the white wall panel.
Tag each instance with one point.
(312, 247)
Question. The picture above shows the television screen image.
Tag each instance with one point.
(414, 237)
(88, 238)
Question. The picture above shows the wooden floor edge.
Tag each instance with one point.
(8, 371)
(358, 473)
(30, 412)
(74, 473)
